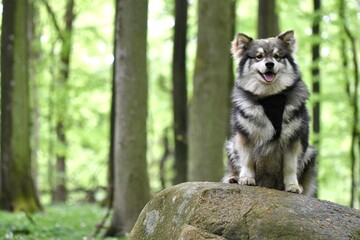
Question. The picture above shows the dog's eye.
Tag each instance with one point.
(277, 57)
(259, 57)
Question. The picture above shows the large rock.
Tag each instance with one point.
(220, 211)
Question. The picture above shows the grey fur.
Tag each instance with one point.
(269, 145)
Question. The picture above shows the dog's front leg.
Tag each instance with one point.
(247, 165)
(290, 169)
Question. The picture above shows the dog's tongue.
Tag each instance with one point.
(269, 76)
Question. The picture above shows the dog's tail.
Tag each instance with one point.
(309, 173)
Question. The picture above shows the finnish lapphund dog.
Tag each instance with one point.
(270, 122)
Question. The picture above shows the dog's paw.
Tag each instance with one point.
(247, 181)
(230, 179)
(294, 188)
(233, 179)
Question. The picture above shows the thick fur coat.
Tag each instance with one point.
(269, 144)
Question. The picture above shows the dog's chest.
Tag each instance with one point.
(274, 109)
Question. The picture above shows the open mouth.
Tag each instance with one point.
(268, 76)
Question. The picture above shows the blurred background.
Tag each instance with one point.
(70, 87)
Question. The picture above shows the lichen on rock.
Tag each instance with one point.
(152, 219)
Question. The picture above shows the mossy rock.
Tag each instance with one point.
(219, 211)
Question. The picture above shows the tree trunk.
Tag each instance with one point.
(60, 191)
(50, 121)
(34, 53)
(268, 25)
(315, 73)
(231, 65)
(131, 191)
(218, 211)
(111, 159)
(17, 189)
(208, 109)
(180, 91)
(353, 93)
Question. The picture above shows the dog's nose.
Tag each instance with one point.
(269, 65)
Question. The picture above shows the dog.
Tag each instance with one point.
(270, 122)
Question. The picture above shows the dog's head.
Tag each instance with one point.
(266, 66)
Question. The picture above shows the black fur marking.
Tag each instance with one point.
(292, 62)
(297, 113)
(274, 109)
(305, 135)
(299, 132)
(240, 129)
(246, 92)
(242, 113)
(242, 64)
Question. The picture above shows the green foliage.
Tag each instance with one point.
(90, 86)
(89, 93)
(56, 222)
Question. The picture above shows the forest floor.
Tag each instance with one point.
(58, 222)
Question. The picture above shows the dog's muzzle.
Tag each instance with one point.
(268, 75)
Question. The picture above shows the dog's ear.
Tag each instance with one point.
(240, 44)
(289, 39)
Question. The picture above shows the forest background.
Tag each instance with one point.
(332, 76)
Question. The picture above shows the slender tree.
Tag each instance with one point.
(180, 90)
(17, 189)
(61, 82)
(208, 108)
(60, 191)
(353, 93)
(233, 6)
(111, 159)
(34, 53)
(268, 24)
(131, 185)
(315, 73)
